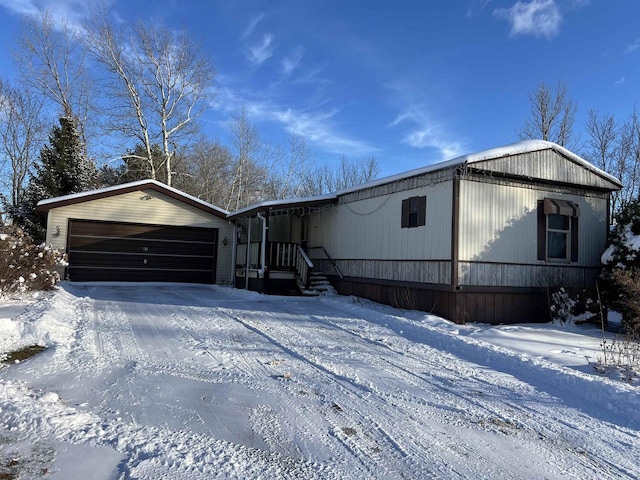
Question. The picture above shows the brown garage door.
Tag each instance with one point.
(110, 251)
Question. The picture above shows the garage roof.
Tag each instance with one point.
(46, 205)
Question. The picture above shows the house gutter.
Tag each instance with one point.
(234, 247)
(263, 250)
(246, 267)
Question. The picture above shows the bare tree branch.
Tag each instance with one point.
(551, 117)
(160, 82)
(51, 61)
(22, 132)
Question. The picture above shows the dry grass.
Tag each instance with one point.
(22, 354)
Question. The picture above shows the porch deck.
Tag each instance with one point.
(274, 267)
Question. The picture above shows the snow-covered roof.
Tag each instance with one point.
(524, 146)
(128, 187)
(300, 201)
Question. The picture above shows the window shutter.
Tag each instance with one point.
(542, 232)
(405, 214)
(574, 239)
(422, 211)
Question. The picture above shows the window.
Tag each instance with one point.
(558, 234)
(557, 230)
(414, 212)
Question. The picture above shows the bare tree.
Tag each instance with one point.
(158, 81)
(551, 117)
(51, 61)
(347, 174)
(248, 174)
(628, 161)
(602, 141)
(22, 133)
(287, 168)
(208, 172)
(603, 147)
(126, 110)
(614, 147)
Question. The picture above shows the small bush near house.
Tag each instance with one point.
(24, 265)
(574, 306)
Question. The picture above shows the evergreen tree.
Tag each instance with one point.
(139, 166)
(63, 169)
(135, 166)
(620, 278)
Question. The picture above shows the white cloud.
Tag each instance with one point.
(261, 52)
(252, 26)
(425, 133)
(21, 7)
(540, 18)
(70, 13)
(319, 130)
(318, 127)
(290, 62)
(476, 7)
(632, 47)
(620, 81)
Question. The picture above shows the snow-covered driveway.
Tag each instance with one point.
(165, 381)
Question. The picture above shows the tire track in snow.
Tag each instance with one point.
(253, 372)
(405, 464)
(495, 422)
(402, 421)
(535, 422)
(334, 373)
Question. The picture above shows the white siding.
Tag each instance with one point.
(134, 207)
(370, 229)
(498, 224)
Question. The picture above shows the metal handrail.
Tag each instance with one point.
(304, 266)
(335, 265)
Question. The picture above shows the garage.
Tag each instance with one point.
(114, 251)
(139, 232)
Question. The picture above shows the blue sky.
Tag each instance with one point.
(410, 82)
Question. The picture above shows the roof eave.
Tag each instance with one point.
(271, 206)
(46, 205)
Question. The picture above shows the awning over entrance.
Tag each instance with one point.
(553, 206)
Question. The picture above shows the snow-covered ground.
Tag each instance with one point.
(190, 381)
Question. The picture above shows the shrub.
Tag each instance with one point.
(24, 265)
(574, 305)
(620, 277)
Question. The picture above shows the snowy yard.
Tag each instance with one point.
(166, 381)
